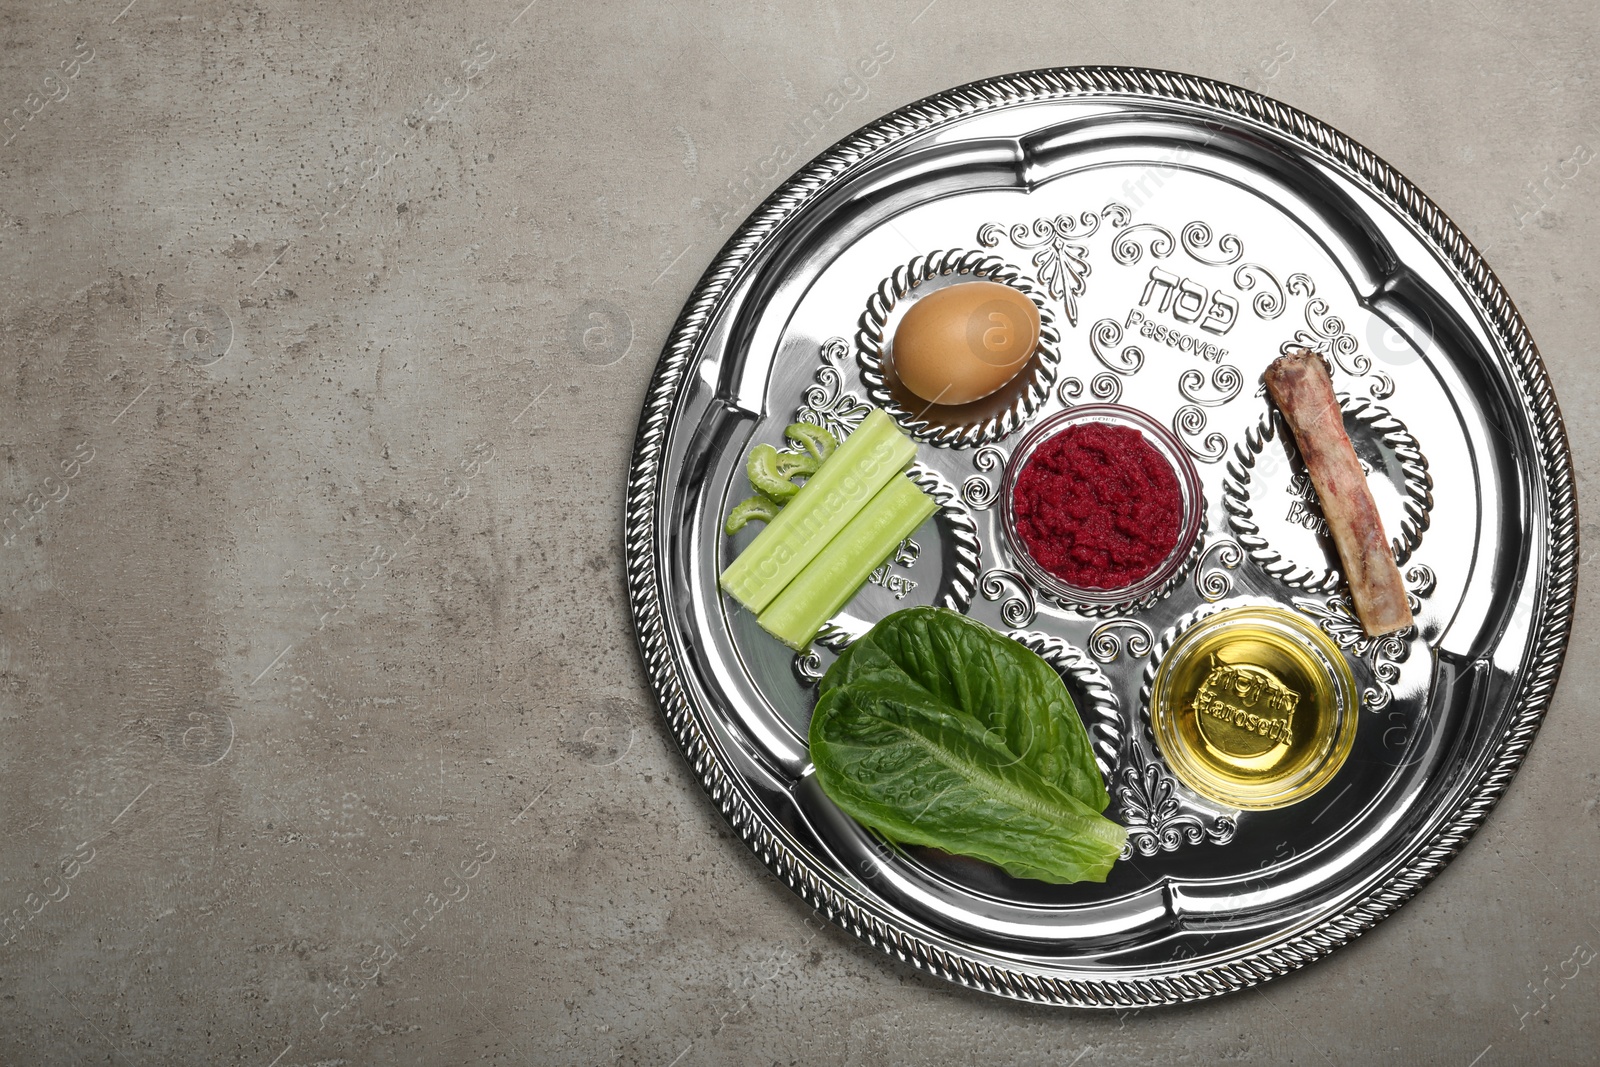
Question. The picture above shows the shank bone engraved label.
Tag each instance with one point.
(1244, 710)
(1304, 509)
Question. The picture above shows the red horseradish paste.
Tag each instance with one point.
(1097, 506)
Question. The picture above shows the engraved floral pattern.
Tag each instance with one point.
(1189, 422)
(1060, 258)
(1325, 334)
(1104, 387)
(1196, 237)
(827, 404)
(1104, 337)
(1226, 380)
(1268, 303)
(808, 667)
(1383, 654)
(1156, 821)
(1158, 241)
(1213, 585)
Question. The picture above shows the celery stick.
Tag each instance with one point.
(830, 580)
(843, 484)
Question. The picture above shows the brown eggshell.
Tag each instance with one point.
(963, 342)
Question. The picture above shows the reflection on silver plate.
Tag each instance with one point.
(1180, 233)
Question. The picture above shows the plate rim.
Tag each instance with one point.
(865, 916)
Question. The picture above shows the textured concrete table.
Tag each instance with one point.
(323, 738)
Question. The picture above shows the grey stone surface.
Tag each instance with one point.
(323, 738)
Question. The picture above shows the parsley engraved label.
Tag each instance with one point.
(1245, 710)
(898, 584)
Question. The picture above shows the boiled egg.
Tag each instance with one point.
(962, 342)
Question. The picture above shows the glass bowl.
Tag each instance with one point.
(1254, 707)
(1160, 581)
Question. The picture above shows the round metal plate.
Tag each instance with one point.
(1181, 232)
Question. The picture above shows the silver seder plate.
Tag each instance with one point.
(1177, 233)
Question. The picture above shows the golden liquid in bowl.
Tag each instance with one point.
(1254, 707)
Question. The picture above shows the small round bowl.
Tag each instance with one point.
(1254, 707)
(1159, 581)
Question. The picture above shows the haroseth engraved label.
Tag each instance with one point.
(1251, 705)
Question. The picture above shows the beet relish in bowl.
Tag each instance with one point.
(1100, 505)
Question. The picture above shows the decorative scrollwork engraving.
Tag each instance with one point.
(808, 667)
(1104, 336)
(1382, 386)
(1226, 379)
(1422, 577)
(1018, 610)
(1213, 585)
(978, 492)
(1106, 387)
(1268, 303)
(1300, 284)
(1156, 821)
(1060, 259)
(1383, 654)
(1190, 421)
(989, 458)
(1105, 645)
(826, 403)
(1117, 214)
(1196, 236)
(1325, 334)
(1126, 248)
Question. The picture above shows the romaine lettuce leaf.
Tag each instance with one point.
(936, 730)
